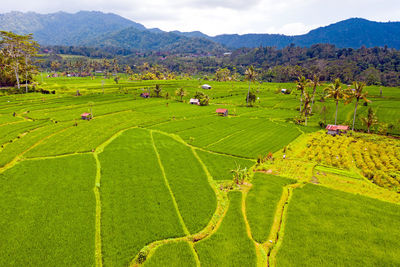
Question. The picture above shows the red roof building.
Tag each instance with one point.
(145, 95)
(336, 129)
(86, 116)
(222, 111)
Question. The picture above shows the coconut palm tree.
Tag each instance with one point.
(306, 105)
(314, 82)
(302, 83)
(357, 93)
(157, 90)
(250, 75)
(336, 92)
(90, 107)
(370, 120)
(180, 92)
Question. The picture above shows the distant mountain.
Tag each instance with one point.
(352, 33)
(132, 38)
(100, 29)
(196, 34)
(63, 28)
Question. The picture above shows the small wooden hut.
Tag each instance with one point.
(222, 112)
(194, 101)
(86, 116)
(145, 95)
(336, 129)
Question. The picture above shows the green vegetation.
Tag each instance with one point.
(376, 158)
(177, 254)
(261, 203)
(149, 180)
(221, 165)
(194, 196)
(48, 219)
(137, 206)
(230, 245)
(331, 228)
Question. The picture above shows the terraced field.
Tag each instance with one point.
(150, 181)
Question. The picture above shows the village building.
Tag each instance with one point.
(222, 112)
(283, 91)
(194, 101)
(336, 129)
(206, 86)
(145, 95)
(86, 116)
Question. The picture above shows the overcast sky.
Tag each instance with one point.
(224, 16)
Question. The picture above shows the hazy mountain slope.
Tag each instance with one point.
(100, 29)
(63, 28)
(353, 33)
(133, 38)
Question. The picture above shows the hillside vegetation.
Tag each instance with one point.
(158, 181)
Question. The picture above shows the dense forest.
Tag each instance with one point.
(372, 65)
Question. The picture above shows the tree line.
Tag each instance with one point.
(370, 65)
(339, 93)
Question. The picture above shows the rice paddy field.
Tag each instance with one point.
(150, 181)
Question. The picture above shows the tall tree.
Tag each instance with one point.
(306, 105)
(157, 90)
(180, 92)
(336, 92)
(302, 83)
(19, 49)
(250, 75)
(357, 93)
(370, 120)
(314, 82)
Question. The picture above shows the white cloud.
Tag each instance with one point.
(225, 16)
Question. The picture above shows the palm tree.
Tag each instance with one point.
(250, 75)
(370, 120)
(336, 92)
(314, 82)
(239, 175)
(157, 90)
(306, 105)
(91, 106)
(357, 93)
(302, 83)
(180, 92)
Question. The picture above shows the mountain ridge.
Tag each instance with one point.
(96, 28)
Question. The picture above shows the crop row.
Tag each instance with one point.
(137, 207)
(261, 203)
(326, 227)
(195, 198)
(48, 219)
(230, 245)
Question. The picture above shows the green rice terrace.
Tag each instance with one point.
(160, 182)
